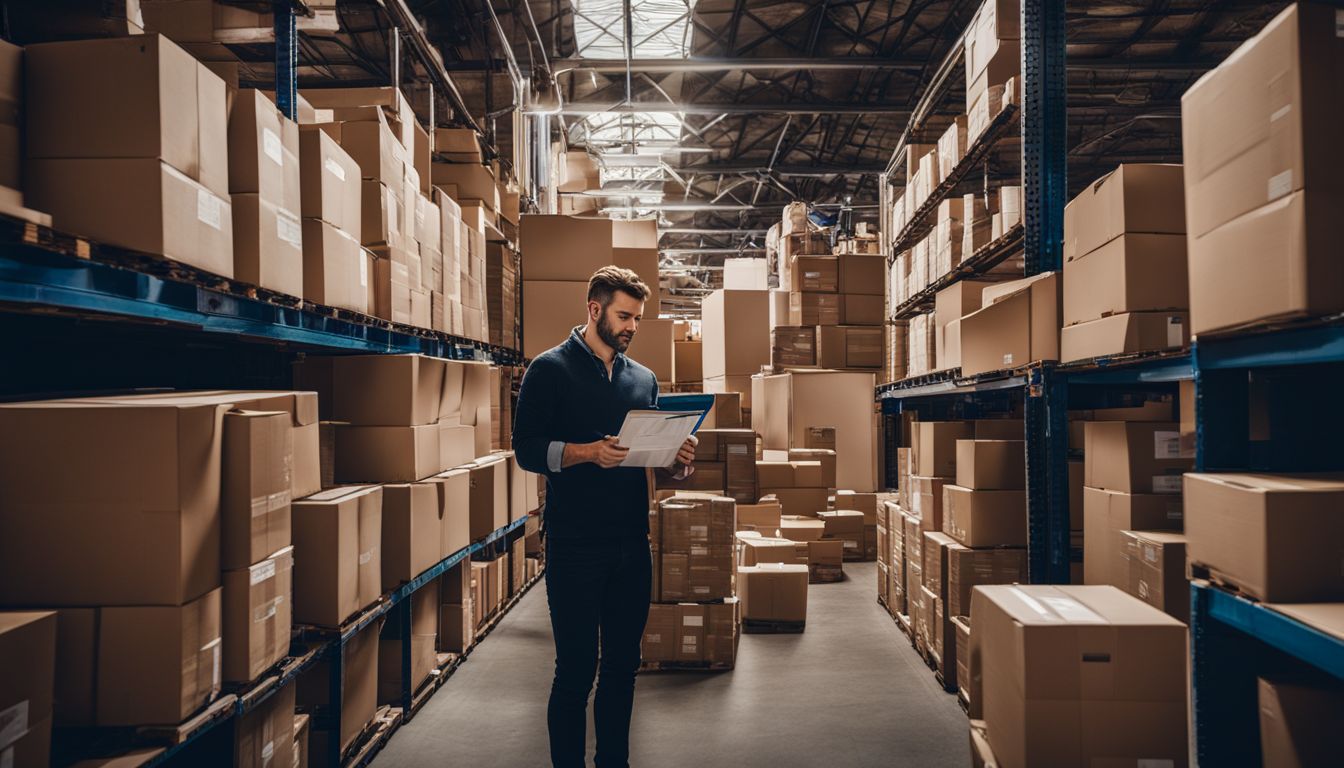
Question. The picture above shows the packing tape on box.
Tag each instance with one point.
(267, 610)
(209, 209)
(267, 752)
(693, 621)
(272, 146)
(288, 228)
(262, 505)
(334, 168)
(215, 647)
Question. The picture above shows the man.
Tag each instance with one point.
(574, 398)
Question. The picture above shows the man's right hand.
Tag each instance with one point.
(605, 453)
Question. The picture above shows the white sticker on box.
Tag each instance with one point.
(209, 208)
(740, 449)
(334, 168)
(653, 637)
(1166, 444)
(363, 271)
(289, 230)
(851, 545)
(1070, 609)
(811, 275)
(1175, 331)
(701, 590)
(1008, 359)
(693, 621)
(365, 557)
(699, 551)
(13, 723)
(267, 752)
(262, 572)
(1166, 483)
(216, 671)
(270, 144)
(699, 530)
(1280, 184)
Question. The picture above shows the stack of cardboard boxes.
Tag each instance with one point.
(337, 270)
(830, 410)
(725, 462)
(265, 192)
(835, 313)
(688, 370)
(1125, 284)
(993, 63)
(694, 617)
(735, 340)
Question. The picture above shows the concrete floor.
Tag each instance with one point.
(850, 691)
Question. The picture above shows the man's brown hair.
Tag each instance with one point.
(605, 282)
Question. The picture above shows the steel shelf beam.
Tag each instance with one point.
(1320, 341)
(949, 382)
(1119, 370)
(980, 262)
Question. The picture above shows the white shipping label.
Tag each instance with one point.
(851, 545)
(288, 228)
(1166, 483)
(1008, 359)
(811, 275)
(1175, 512)
(1175, 331)
(334, 168)
(1280, 184)
(365, 557)
(270, 144)
(699, 530)
(13, 723)
(1166, 444)
(693, 621)
(738, 449)
(701, 590)
(262, 572)
(363, 271)
(700, 551)
(653, 637)
(209, 208)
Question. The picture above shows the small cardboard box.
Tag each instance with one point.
(412, 531)
(1134, 457)
(28, 669)
(257, 613)
(1106, 515)
(985, 518)
(773, 592)
(387, 454)
(1017, 326)
(338, 533)
(1156, 570)
(991, 464)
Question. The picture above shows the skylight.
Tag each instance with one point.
(662, 28)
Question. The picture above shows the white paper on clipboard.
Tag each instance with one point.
(654, 437)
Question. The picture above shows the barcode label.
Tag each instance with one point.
(1166, 445)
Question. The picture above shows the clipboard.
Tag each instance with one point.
(688, 402)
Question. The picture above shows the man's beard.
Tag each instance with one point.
(618, 342)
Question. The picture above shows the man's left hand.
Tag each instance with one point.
(687, 453)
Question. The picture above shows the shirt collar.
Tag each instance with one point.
(576, 335)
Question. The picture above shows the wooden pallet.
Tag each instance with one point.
(490, 622)
(373, 738)
(685, 666)
(761, 627)
(824, 575)
(220, 709)
(1212, 575)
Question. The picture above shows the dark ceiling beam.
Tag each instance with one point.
(705, 64)
(809, 170)
(800, 108)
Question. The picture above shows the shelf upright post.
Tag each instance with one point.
(1222, 688)
(335, 698)
(286, 58)
(1043, 192)
(403, 609)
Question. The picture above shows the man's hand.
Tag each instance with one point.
(687, 453)
(605, 453)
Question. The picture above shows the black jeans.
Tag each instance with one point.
(598, 591)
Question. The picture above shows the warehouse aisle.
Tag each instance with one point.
(850, 691)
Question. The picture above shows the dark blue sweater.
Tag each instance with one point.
(566, 396)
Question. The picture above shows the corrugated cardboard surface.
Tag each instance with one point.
(1124, 334)
(735, 332)
(1135, 197)
(1131, 273)
(257, 615)
(338, 532)
(1106, 514)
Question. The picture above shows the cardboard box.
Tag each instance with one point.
(137, 97)
(141, 204)
(1134, 457)
(1155, 562)
(936, 451)
(269, 734)
(795, 346)
(935, 564)
(1019, 328)
(861, 309)
(969, 568)
(773, 592)
(1036, 653)
(1252, 192)
(329, 182)
(795, 402)
(845, 525)
(652, 348)
(28, 669)
(387, 454)
(764, 517)
(359, 691)
(985, 518)
(1144, 198)
(1106, 515)
(726, 413)
(268, 245)
(1132, 273)
(263, 150)
(991, 464)
(157, 664)
(412, 531)
(842, 346)
(388, 390)
(1298, 716)
(337, 535)
(804, 502)
(489, 495)
(867, 503)
(1274, 536)
(735, 332)
(336, 270)
(687, 367)
(822, 456)
(814, 308)
(553, 309)
(176, 551)
(257, 614)
(1125, 334)
(801, 529)
(814, 274)
(258, 458)
(927, 501)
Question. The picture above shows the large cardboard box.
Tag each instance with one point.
(991, 464)
(329, 182)
(454, 488)
(267, 245)
(1156, 570)
(412, 531)
(1124, 334)
(269, 733)
(1106, 515)
(797, 401)
(1132, 273)
(688, 362)
(935, 446)
(337, 539)
(138, 97)
(1019, 327)
(1298, 720)
(28, 674)
(136, 203)
(337, 272)
(844, 525)
(849, 346)
(1276, 537)
(388, 390)
(1271, 186)
(157, 664)
(489, 495)
(257, 613)
(263, 150)
(258, 459)
(735, 332)
(1134, 457)
(773, 592)
(387, 454)
(814, 274)
(175, 550)
(1134, 198)
(970, 568)
(1073, 675)
(862, 273)
(652, 348)
(564, 248)
(985, 518)
(551, 310)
